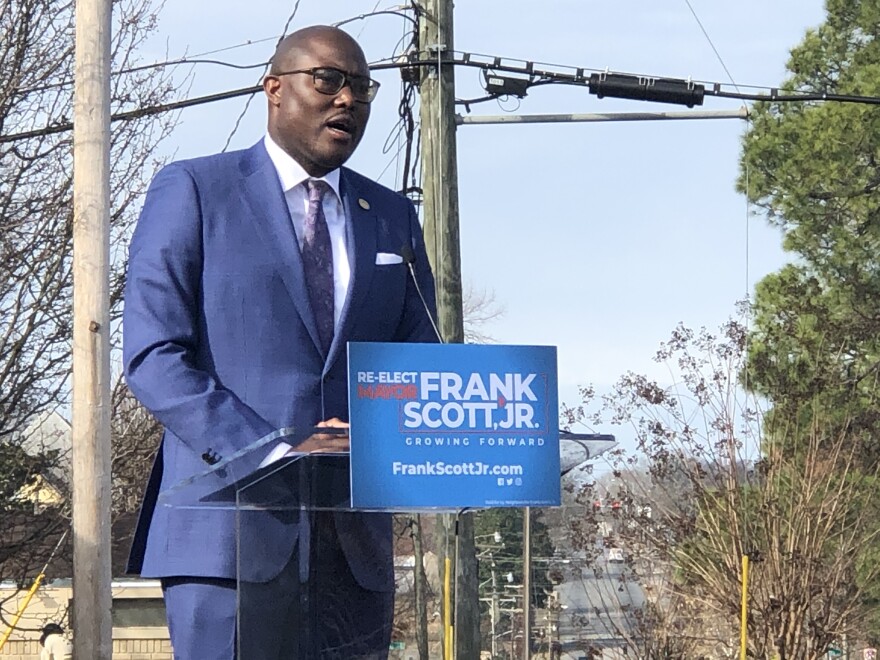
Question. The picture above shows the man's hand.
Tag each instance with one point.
(325, 442)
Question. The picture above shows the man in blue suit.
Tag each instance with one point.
(248, 273)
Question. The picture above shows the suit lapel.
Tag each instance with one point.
(264, 198)
(360, 238)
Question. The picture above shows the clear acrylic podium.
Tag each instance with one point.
(315, 575)
(316, 578)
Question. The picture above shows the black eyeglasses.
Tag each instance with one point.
(330, 81)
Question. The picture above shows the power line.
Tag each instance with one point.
(579, 77)
(709, 39)
(144, 67)
(243, 44)
(403, 132)
(133, 114)
(247, 104)
(200, 58)
(375, 13)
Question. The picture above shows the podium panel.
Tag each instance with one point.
(325, 587)
(320, 579)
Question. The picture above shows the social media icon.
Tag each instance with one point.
(500, 481)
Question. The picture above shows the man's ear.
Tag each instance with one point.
(272, 88)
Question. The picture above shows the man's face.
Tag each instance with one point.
(319, 131)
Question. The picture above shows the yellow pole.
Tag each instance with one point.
(21, 609)
(743, 630)
(447, 611)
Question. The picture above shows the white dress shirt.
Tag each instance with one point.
(293, 180)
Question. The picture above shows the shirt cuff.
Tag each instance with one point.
(276, 454)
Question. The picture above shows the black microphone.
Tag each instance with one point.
(409, 258)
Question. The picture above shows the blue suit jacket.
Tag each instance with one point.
(220, 344)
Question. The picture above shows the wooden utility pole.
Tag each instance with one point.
(440, 203)
(420, 588)
(91, 338)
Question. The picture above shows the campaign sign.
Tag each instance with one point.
(453, 425)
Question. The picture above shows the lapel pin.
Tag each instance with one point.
(364, 204)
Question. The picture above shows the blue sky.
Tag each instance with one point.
(595, 238)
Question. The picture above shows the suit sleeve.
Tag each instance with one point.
(415, 325)
(162, 324)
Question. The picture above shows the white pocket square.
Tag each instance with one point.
(388, 258)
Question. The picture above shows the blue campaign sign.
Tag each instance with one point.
(453, 425)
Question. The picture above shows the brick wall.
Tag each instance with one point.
(141, 649)
(123, 649)
(21, 650)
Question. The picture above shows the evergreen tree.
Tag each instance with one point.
(814, 352)
(813, 169)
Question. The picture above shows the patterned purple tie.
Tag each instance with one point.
(317, 256)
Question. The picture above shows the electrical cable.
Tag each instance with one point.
(375, 13)
(577, 79)
(709, 39)
(404, 125)
(198, 58)
(747, 542)
(250, 99)
(144, 67)
(364, 25)
(405, 32)
(437, 181)
(130, 115)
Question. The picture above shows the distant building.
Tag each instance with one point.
(138, 614)
(138, 611)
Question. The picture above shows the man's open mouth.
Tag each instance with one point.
(341, 127)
